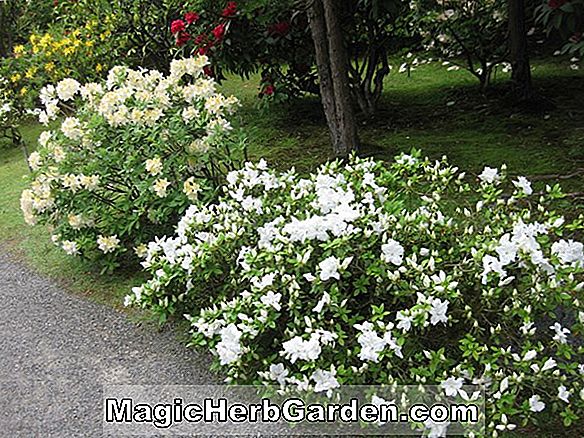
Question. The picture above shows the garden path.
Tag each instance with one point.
(57, 350)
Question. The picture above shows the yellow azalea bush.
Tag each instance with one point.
(130, 154)
(83, 53)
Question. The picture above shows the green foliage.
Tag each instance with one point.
(566, 18)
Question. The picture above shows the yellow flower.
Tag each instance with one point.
(15, 77)
(19, 50)
(50, 66)
(31, 72)
(23, 91)
(99, 68)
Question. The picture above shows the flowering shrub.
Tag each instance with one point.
(138, 149)
(473, 30)
(249, 37)
(366, 273)
(82, 53)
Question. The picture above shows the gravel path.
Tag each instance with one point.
(57, 350)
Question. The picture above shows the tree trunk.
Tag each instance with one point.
(332, 65)
(521, 70)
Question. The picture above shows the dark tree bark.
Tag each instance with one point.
(332, 66)
(521, 70)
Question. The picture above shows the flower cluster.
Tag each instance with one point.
(82, 52)
(138, 148)
(367, 273)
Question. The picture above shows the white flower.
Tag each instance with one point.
(272, 299)
(76, 221)
(492, 264)
(266, 281)
(154, 166)
(549, 364)
(229, 348)
(452, 385)
(297, 348)
(278, 372)
(34, 160)
(190, 113)
(438, 311)
(392, 252)
(70, 247)
(67, 88)
(535, 404)
(489, 175)
(564, 394)
(108, 244)
(569, 252)
(530, 355)
(160, 186)
(507, 250)
(405, 321)
(325, 380)
(371, 345)
(523, 184)
(71, 128)
(436, 429)
(561, 333)
(329, 268)
(406, 159)
(326, 299)
(191, 188)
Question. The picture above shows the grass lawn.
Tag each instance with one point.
(437, 111)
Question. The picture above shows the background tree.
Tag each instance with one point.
(273, 38)
(472, 30)
(333, 73)
(518, 51)
(373, 24)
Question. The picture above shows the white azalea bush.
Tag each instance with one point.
(129, 156)
(369, 273)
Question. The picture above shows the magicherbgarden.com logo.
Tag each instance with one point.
(255, 410)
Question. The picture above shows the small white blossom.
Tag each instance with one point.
(535, 404)
(489, 175)
(452, 386)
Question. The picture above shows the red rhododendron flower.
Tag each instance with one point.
(269, 90)
(200, 39)
(279, 29)
(230, 9)
(191, 17)
(555, 4)
(182, 38)
(201, 51)
(219, 32)
(177, 26)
